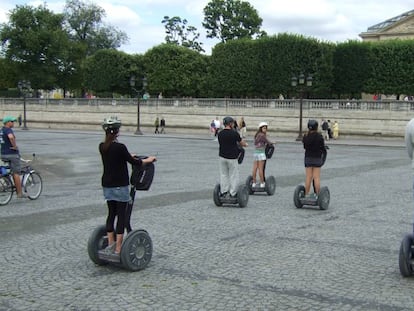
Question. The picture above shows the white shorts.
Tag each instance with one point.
(259, 156)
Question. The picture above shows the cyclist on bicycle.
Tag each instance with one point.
(115, 181)
(10, 153)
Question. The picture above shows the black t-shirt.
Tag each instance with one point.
(115, 167)
(228, 139)
(314, 145)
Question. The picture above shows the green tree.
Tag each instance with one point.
(351, 68)
(179, 33)
(175, 70)
(107, 72)
(84, 22)
(33, 40)
(231, 19)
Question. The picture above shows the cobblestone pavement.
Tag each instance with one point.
(266, 256)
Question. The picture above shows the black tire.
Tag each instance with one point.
(323, 198)
(136, 252)
(298, 194)
(6, 190)
(97, 241)
(249, 182)
(406, 256)
(270, 185)
(216, 195)
(242, 195)
(33, 185)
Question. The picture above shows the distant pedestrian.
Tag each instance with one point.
(217, 126)
(335, 128)
(157, 124)
(243, 128)
(162, 124)
(325, 129)
(20, 120)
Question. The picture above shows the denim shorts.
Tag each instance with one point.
(120, 194)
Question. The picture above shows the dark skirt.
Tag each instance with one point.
(313, 162)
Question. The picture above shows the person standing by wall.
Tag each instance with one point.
(335, 128)
(243, 128)
(162, 124)
(10, 152)
(156, 124)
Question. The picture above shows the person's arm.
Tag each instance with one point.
(13, 143)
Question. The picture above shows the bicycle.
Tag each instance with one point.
(31, 181)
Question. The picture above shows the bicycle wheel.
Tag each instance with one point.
(33, 185)
(6, 190)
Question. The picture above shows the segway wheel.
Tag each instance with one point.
(298, 194)
(216, 195)
(405, 259)
(136, 252)
(270, 185)
(97, 241)
(249, 182)
(324, 198)
(242, 195)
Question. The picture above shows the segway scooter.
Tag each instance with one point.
(406, 256)
(321, 200)
(270, 182)
(242, 196)
(136, 251)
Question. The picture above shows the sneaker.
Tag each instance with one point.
(23, 195)
(110, 248)
(224, 194)
(233, 196)
(254, 185)
(262, 185)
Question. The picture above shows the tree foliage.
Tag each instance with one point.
(231, 19)
(175, 70)
(179, 33)
(84, 22)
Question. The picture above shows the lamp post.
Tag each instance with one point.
(132, 81)
(301, 83)
(24, 87)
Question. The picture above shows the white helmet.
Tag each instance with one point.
(261, 124)
(111, 125)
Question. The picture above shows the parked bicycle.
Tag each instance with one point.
(31, 181)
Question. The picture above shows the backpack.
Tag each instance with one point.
(142, 175)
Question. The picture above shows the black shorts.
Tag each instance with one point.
(313, 162)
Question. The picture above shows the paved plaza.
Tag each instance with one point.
(266, 256)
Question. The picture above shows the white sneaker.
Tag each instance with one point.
(262, 185)
(254, 185)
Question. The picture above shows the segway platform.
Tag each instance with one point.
(322, 200)
(241, 198)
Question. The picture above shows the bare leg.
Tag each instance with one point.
(111, 238)
(18, 184)
(316, 175)
(254, 172)
(261, 171)
(119, 239)
(308, 179)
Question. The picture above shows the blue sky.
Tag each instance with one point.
(327, 20)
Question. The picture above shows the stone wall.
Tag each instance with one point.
(388, 123)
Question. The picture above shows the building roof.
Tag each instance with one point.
(389, 22)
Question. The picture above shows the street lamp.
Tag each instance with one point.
(24, 87)
(301, 83)
(132, 81)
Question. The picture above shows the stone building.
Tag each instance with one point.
(398, 27)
